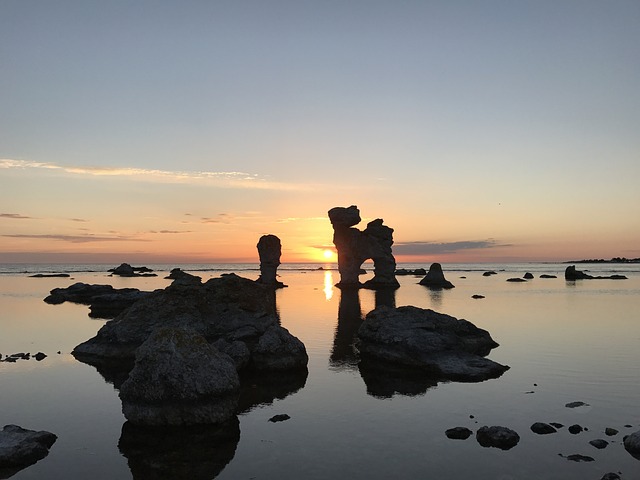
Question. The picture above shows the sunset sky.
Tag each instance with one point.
(182, 131)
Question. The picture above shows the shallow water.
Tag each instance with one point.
(564, 341)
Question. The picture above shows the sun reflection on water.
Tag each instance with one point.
(328, 284)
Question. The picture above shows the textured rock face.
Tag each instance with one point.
(355, 246)
(435, 278)
(439, 345)
(269, 250)
(498, 437)
(228, 308)
(632, 444)
(20, 447)
(180, 379)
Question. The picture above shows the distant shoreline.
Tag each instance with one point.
(602, 260)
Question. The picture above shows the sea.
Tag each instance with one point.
(564, 341)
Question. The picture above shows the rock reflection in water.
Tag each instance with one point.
(385, 380)
(262, 388)
(343, 355)
(192, 453)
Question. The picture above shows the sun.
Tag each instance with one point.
(328, 254)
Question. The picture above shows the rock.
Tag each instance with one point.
(437, 344)
(579, 458)
(542, 428)
(39, 356)
(355, 246)
(404, 271)
(544, 275)
(476, 296)
(556, 425)
(599, 443)
(458, 433)
(610, 476)
(528, 275)
(126, 270)
(435, 278)
(20, 447)
(104, 301)
(269, 250)
(516, 280)
(50, 275)
(277, 349)
(178, 275)
(632, 444)
(576, 404)
(575, 429)
(489, 273)
(180, 379)
(610, 431)
(571, 273)
(497, 437)
(279, 418)
(229, 307)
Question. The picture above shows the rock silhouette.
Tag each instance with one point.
(355, 246)
(269, 250)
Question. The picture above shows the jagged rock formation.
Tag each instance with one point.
(439, 345)
(180, 379)
(355, 246)
(232, 311)
(435, 278)
(179, 275)
(269, 250)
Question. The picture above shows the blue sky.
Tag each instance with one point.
(510, 125)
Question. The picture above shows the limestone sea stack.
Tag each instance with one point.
(435, 278)
(269, 250)
(355, 246)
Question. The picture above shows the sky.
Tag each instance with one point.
(182, 131)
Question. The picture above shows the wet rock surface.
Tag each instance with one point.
(458, 433)
(543, 428)
(439, 345)
(632, 444)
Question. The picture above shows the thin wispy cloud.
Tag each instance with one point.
(434, 248)
(169, 231)
(15, 216)
(240, 180)
(78, 238)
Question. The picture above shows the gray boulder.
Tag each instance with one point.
(435, 278)
(229, 307)
(437, 344)
(180, 379)
(20, 447)
(632, 444)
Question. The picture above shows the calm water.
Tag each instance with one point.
(565, 341)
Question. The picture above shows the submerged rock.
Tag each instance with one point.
(180, 379)
(126, 270)
(435, 278)
(498, 437)
(542, 428)
(458, 433)
(437, 344)
(20, 447)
